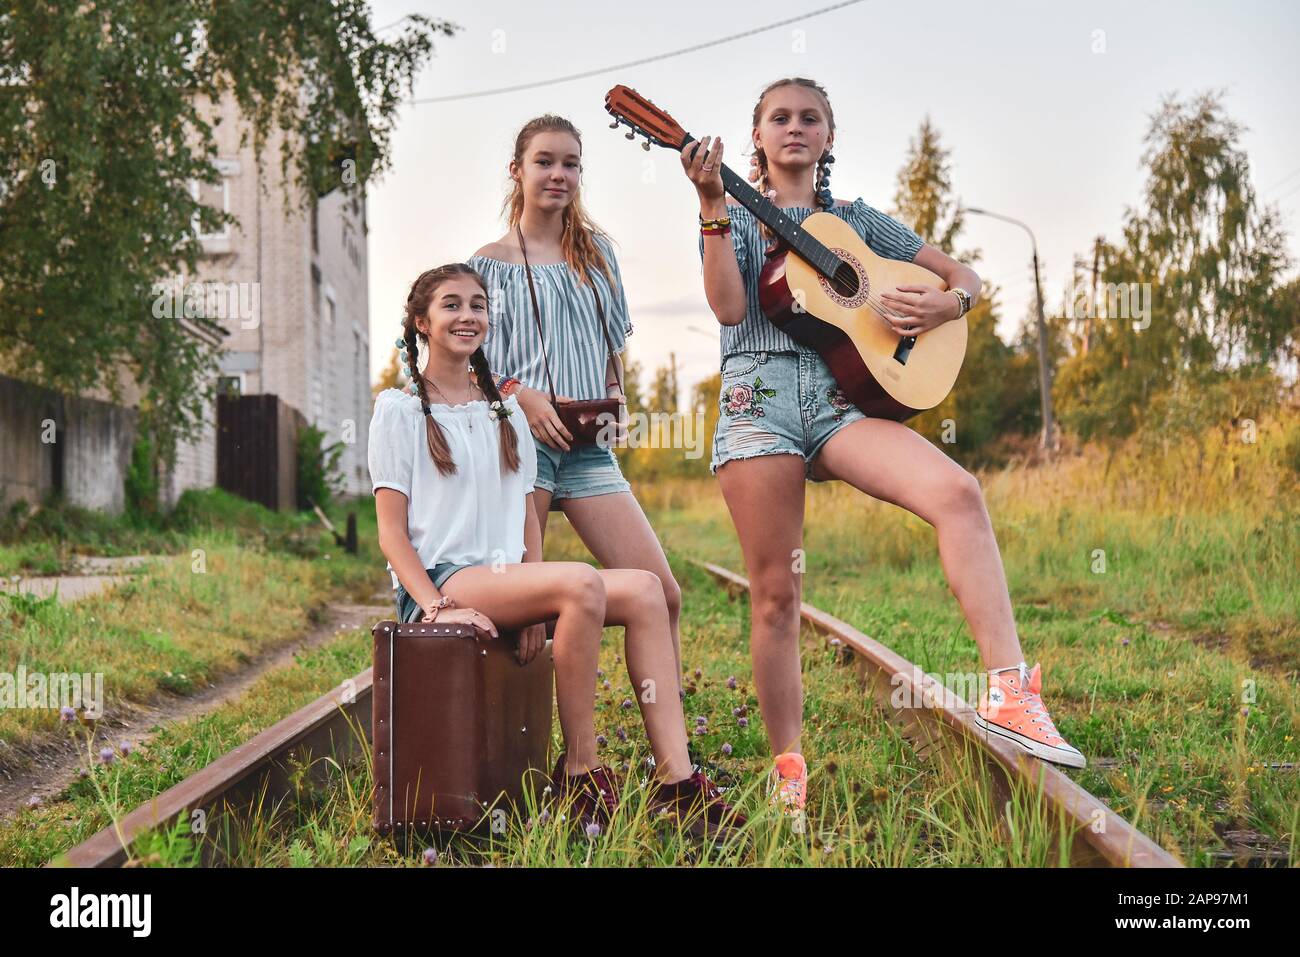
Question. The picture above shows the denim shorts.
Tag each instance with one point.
(583, 470)
(778, 402)
(408, 609)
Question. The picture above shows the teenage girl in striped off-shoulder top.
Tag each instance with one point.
(571, 261)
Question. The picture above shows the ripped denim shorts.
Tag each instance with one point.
(778, 403)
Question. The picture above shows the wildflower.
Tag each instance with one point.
(731, 682)
(627, 703)
(601, 740)
(700, 719)
(593, 830)
(622, 735)
(743, 722)
(106, 755)
(430, 856)
(67, 713)
(726, 749)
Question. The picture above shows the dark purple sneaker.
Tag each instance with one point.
(594, 792)
(698, 805)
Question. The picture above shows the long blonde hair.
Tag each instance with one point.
(578, 238)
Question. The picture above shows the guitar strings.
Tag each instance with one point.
(775, 210)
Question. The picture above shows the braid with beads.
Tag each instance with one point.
(822, 180)
(417, 305)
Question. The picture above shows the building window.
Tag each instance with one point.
(315, 225)
(230, 384)
(216, 196)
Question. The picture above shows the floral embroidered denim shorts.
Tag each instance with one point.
(583, 470)
(778, 402)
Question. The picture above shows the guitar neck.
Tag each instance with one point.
(772, 216)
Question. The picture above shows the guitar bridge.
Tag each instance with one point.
(904, 349)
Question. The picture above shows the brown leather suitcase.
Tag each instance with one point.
(457, 722)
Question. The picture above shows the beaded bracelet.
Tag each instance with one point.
(720, 221)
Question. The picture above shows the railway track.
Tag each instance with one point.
(268, 770)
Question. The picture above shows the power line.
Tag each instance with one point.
(644, 60)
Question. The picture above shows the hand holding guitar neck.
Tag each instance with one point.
(703, 165)
(882, 325)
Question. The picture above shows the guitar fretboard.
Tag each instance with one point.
(790, 232)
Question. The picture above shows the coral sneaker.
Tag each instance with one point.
(1013, 709)
(789, 784)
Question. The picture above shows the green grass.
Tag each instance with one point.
(239, 580)
(1176, 663)
(872, 803)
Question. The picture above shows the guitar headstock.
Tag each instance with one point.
(634, 111)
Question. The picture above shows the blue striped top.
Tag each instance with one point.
(575, 345)
(886, 237)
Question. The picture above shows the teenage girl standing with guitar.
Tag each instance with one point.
(559, 321)
(785, 419)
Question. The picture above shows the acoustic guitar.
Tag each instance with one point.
(821, 285)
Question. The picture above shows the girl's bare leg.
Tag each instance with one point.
(765, 496)
(616, 531)
(573, 594)
(889, 461)
(635, 601)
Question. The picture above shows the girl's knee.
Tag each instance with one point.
(647, 592)
(582, 588)
(775, 601)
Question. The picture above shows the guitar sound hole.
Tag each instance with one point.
(845, 280)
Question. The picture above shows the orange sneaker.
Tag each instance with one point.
(1013, 709)
(789, 784)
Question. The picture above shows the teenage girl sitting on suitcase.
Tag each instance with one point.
(453, 465)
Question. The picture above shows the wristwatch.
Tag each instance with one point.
(963, 297)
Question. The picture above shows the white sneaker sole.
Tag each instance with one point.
(1069, 758)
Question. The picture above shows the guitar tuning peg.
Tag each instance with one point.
(646, 146)
(631, 134)
(614, 125)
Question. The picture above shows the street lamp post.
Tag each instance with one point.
(1048, 438)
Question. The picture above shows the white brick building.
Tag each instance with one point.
(309, 341)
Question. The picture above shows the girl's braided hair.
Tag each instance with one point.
(822, 181)
(417, 306)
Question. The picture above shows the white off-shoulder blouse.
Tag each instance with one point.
(474, 516)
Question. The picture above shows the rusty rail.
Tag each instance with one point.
(264, 770)
(945, 724)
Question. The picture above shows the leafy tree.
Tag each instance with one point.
(102, 130)
(988, 398)
(1212, 259)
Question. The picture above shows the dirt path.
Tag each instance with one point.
(54, 763)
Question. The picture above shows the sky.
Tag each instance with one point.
(1043, 106)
